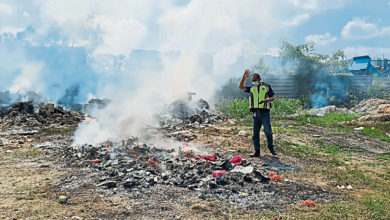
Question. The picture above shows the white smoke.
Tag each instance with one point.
(189, 46)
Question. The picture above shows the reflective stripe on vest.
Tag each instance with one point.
(257, 96)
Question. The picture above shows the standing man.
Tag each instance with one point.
(260, 99)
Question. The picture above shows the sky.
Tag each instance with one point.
(100, 47)
(144, 54)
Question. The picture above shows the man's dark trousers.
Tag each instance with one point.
(262, 117)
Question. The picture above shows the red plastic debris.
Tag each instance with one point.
(207, 157)
(275, 176)
(188, 155)
(236, 160)
(25, 138)
(308, 202)
(219, 173)
(96, 161)
(151, 162)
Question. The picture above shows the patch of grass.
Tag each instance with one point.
(283, 107)
(384, 157)
(319, 142)
(331, 119)
(236, 108)
(302, 148)
(377, 205)
(33, 152)
(239, 109)
(332, 149)
(353, 209)
(29, 153)
(282, 130)
(375, 133)
(336, 162)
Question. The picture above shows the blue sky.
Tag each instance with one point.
(109, 46)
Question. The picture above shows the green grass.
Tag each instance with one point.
(33, 152)
(330, 119)
(376, 205)
(375, 133)
(239, 109)
(283, 107)
(384, 157)
(236, 108)
(333, 149)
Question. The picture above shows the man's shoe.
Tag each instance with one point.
(256, 154)
(272, 150)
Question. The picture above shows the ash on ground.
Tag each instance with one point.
(135, 170)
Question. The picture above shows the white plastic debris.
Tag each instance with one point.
(340, 187)
(242, 133)
(349, 187)
(241, 169)
(359, 128)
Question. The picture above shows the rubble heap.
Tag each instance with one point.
(24, 116)
(132, 169)
(370, 106)
(181, 116)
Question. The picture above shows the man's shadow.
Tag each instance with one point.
(274, 162)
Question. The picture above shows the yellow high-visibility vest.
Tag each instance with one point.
(257, 96)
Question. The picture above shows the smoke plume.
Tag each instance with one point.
(139, 54)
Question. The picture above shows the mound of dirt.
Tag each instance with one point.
(371, 106)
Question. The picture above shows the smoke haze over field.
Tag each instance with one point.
(139, 54)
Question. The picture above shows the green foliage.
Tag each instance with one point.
(310, 67)
(236, 108)
(384, 157)
(239, 108)
(303, 148)
(377, 90)
(332, 149)
(376, 204)
(375, 133)
(261, 67)
(283, 107)
(330, 119)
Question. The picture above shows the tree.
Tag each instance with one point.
(261, 67)
(311, 70)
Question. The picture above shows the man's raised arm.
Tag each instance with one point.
(246, 74)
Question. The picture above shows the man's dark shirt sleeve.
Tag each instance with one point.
(270, 92)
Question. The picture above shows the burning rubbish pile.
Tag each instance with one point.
(181, 116)
(23, 115)
(135, 169)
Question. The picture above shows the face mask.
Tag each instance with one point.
(255, 83)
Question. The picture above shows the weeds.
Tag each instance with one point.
(375, 133)
(333, 149)
(239, 108)
(330, 119)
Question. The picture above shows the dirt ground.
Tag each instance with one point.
(28, 188)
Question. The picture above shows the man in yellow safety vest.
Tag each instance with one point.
(260, 99)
